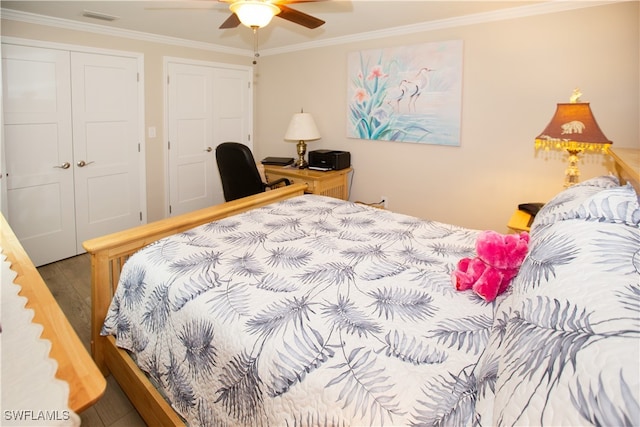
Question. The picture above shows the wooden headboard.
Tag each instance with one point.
(627, 161)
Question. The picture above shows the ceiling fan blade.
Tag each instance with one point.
(298, 17)
(232, 22)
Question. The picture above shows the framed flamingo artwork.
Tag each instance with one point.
(408, 94)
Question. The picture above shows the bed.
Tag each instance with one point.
(292, 309)
(29, 307)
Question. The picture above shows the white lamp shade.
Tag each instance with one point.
(302, 128)
(254, 13)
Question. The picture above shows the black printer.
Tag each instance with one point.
(329, 159)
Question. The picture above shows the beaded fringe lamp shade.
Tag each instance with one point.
(573, 128)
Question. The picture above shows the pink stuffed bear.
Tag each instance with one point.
(499, 257)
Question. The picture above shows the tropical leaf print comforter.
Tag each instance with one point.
(309, 311)
(315, 311)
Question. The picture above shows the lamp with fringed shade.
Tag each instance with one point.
(573, 128)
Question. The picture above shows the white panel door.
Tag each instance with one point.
(38, 150)
(105, 144)
(206, 105)
(232, 113)
(191, 145)
(71, 147)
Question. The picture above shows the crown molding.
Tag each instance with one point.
(68, 24)
(459, 21)
(478, 18)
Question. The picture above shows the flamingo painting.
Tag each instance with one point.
(409, 94)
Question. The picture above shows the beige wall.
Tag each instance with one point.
(515, 72)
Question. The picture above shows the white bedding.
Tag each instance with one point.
(316, 311)
(307, 312)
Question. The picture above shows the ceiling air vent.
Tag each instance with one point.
(99, 15)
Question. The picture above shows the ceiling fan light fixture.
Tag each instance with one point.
(254, 13)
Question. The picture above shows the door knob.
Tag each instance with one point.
(82, 163)
(65, 165)
(208, 149)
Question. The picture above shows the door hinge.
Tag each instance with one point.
(249, 85)
(138, 147)
(168, 145)
(141, 216)
(168, 79)
(138, 77)
(169, 209)
(249, 137)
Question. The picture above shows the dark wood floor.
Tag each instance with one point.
(70, 282)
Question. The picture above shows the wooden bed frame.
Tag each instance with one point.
(108, 255)
(75, 367)
(627, 165)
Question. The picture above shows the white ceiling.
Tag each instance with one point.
(198, 21)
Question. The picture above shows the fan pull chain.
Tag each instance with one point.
(256, 55)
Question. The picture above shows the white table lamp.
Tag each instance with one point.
(302, 128)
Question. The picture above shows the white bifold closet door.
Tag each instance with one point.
(72, 147)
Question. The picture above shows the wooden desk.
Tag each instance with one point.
(75, 365)
(329, 183)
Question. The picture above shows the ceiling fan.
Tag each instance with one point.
(258, 13)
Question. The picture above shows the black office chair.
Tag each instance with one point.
(239, 172)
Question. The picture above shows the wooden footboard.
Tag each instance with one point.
(108, 255)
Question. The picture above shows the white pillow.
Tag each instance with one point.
(563, 205)
(567, 335)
